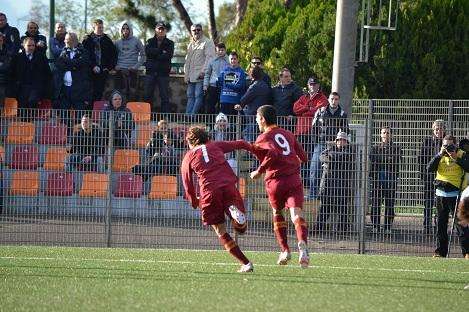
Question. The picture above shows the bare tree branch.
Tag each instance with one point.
(212, 26)
(241, 6)
(183, 14)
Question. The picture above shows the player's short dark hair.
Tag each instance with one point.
(269, 113)
(221, 45)
(197, 135)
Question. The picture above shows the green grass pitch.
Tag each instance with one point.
(93, 279)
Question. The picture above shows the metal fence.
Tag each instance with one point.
(118, 183)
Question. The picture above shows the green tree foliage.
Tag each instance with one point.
(426, 57)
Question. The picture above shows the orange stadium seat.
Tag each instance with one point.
(20, 133)
(55, 159)
(10, 108)
(163, 187)
(144, 133)
(2, 154)
(25, 183)
(141, 111)
(242, 187)
(125, 159)
(94, 185)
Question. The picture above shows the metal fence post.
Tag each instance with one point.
(450, 117)
(365, 184)
(108, 215)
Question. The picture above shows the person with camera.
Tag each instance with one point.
(450, 165)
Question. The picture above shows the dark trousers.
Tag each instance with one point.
(379, 195)
(211, 100)
(66, 103)
(428, 202)
(228, 109)
(28, 97)
(330, 205)
(99, 82)
(127, 83)
(445, 206)
(151, 81)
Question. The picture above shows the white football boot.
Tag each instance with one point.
(283, 258)
(246, 268)
(303, 258)
(237, 215)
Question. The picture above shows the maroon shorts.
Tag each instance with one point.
(214, 204)
(285, 192)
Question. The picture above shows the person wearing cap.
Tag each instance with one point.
(159, 51)
(12, 35)
(200, 52)
(430, 147)
(130, 56)
(222, 131)
(336, 185)
(212, 73)
(327, 122)
(385, 158)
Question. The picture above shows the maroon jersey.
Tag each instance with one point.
(279, 152)
(209, 164)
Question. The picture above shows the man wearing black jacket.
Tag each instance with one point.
(103, 56)
(450, 165)
(159, 51)
(40, 40)
(32, 76)
(12, 35)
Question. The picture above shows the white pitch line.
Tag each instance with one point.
(229, 264)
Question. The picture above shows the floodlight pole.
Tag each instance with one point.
(343, 69)
(51, 21)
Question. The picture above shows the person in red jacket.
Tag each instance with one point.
(217, 184)
(305, 108)
(280, 157)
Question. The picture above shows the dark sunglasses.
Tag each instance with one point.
(256, 63)
(196, 30)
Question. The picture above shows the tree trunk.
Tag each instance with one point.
(241, 6)
(212, 26)
(183, 14)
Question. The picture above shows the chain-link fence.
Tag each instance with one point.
(112, 178)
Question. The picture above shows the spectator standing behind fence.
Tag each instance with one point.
(200, 52)
(431, 145)
(223, 132)
(123, 122)
(32, 76)
(87, 148)
(385, 159)
(256, 61)
(12, 35)
(258, 94)
(212, 73)
(327, 122)
(130, 56)
(285, 94)
(337, 182)
(305, 108)
(450, 165)
(232, 83)
(103, 57)
(73, 81)
(5, 70)
(40, 40)
(57, 42)
(159, 51)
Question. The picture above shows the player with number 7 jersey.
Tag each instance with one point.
(217, 185)
(280, 156)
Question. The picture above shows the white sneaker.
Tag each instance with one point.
(246, 268)
(284, 257)
(303, 258)
(237, 215)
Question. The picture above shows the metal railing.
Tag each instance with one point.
(129, 192)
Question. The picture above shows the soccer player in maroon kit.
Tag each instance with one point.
(217, 184)
(280, 156)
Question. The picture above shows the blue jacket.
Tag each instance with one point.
(258, 94)
(232, 83)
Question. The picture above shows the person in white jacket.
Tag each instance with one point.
(200, 52)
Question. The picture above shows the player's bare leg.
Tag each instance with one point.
(280, 231)
(302, 236)
(233, 248)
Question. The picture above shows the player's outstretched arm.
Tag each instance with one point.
(229, 146)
